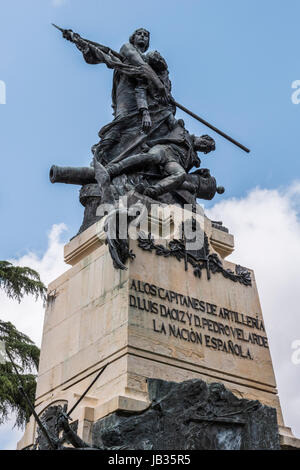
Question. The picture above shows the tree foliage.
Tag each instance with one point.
(17, 282)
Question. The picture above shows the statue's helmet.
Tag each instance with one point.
(131, 38)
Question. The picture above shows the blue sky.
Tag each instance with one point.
(232, 62)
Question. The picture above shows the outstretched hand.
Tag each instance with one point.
(68, 34)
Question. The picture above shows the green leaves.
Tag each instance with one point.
(25, 355)
(11, 399)
(17, 281)
(22, 349)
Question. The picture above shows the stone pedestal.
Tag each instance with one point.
(158, 319)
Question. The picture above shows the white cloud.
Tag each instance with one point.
(266, 227)
(9, 436)
(28, 316)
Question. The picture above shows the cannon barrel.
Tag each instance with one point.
(72, 175)
(206, 186)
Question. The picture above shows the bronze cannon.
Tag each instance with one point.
(203, 184)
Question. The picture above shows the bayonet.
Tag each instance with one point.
(74, 37)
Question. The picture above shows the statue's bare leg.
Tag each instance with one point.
(175, 174)
(135, 162)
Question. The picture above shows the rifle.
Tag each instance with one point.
(215, 129)
(77, 39)
(69, 35)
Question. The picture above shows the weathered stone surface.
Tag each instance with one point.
(93, 319)
(190, 415)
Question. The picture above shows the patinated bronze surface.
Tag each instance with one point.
(187, 415)
(144, 148)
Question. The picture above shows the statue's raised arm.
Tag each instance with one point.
(132, 62)
(129, 61)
